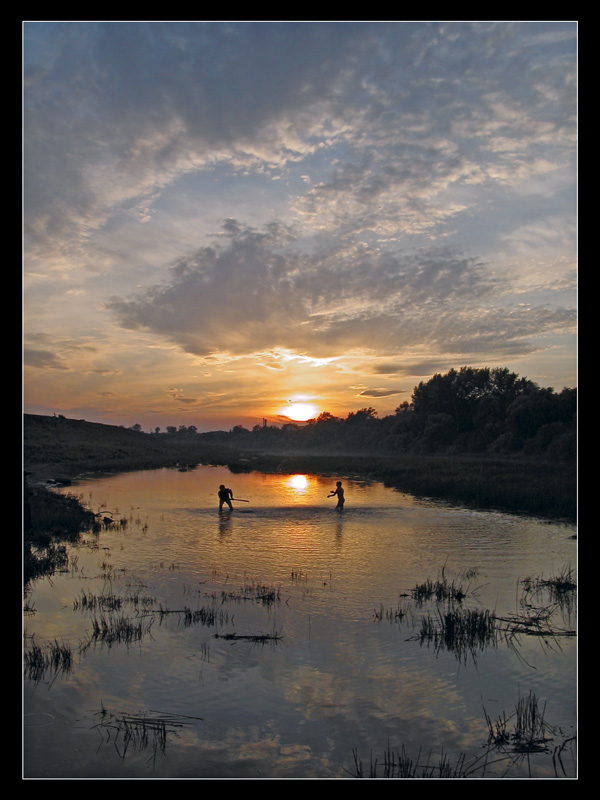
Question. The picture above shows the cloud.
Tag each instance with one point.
(380, 392)
(398, 197)
(253, 291)
(42, 359)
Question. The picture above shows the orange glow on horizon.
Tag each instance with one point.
(299, 412)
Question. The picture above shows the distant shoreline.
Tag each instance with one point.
(59, 454)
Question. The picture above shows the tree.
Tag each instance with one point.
(362, 415)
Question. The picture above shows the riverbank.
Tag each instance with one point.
(57, 451)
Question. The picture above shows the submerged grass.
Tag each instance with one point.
(462, 632)
(140, 731)
(510, 741)
(112, 629)
(55, 657)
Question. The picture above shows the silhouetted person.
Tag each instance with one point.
(339, 492)
(225, 496)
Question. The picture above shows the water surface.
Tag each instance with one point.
(278, 640)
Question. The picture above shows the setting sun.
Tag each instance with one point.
(300, 412)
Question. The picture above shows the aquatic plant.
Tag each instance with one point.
(510, 741)
(140, 731)
(460, 631)
(439, 590)
(254, 637)
(55, 656)
(398, 764)
(111, 629)
(526, 732)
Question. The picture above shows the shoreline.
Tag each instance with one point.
(540, 489)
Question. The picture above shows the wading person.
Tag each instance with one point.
(225, 496)
(339, 492)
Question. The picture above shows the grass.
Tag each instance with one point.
(55, 657)
(544, 599)
(511, 740)
(140, 731)
(561, 588)
(526, 733)
(438, 590)
(265, 595)
(467, 632)
(111, 629)
(463, 632)
(51, 521)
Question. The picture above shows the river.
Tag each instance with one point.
(286, 640)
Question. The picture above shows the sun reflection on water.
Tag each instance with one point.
(298, 482)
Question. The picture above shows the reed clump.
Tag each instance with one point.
(55, 657)
(460, 631)
(141, 731)
(398, 764)
(511, 740)
(525, 731)
(111, 629)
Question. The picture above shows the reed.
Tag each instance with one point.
(55, 657)
(111, 629)
(265, 595)
(510, 741)
(525, 731)
(141, 731)
(463, 632)
(398, 764)
(260, 637)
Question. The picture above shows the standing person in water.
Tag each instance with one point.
(339, 492)
(225, 496)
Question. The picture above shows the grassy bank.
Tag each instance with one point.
(50, 519)
(61, 449)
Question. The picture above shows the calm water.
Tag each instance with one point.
(267, 642)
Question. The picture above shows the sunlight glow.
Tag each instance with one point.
(300, 411)
(298, 482)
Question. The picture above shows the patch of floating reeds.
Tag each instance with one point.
(205, 615)
(141, 731)
(261, 638)
(546, 609)
(439, 590)
(398, 764)
(511, 740)
(463, 632)
(397, 614)
(112, 629)
(53, 657)
(526, 732)
(256, 592)
(560, 589)
(88, 602)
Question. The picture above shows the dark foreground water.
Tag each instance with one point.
(286, 640)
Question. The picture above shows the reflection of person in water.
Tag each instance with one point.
(340, 496)
(225, 496)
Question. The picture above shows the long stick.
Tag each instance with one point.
(239, 499)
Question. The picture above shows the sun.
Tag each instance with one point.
(300, 412)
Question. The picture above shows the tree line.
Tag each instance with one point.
(469, 410)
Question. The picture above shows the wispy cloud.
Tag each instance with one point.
(335, 195)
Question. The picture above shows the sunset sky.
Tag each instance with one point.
(222, 218)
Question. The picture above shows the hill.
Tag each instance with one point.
(59, 448)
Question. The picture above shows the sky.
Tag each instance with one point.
(222, 219)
